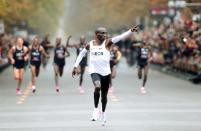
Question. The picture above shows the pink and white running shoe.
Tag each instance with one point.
(142, 90)
(81, 90)
(18, 91)
(57, 88)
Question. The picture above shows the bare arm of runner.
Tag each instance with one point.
(122, 36)
(43, 52)
(10, 55)
(26, 54)
(78, 60)
(70, 45)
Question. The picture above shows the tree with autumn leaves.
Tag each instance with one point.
(83, 15)
(109, 13)
(40, 14)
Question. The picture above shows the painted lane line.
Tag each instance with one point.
(22, 99)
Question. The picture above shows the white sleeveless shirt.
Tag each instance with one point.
(99, 59)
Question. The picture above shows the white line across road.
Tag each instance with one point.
(83, 124)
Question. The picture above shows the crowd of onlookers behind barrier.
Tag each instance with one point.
(6, 41)
(177, 45)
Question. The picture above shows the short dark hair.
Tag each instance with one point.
(100, 29)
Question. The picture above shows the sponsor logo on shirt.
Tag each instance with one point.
(97, 53)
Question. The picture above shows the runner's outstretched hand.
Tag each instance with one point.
(135, 28)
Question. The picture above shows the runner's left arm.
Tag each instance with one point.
(26, 54)
(68, 43)
(43, 52)
(118, 56)
(67, 53)
(150, 54)
(122, 36)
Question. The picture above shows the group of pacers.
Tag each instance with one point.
(34, 54)
(103, 57)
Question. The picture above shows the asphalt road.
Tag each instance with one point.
(171, 104)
